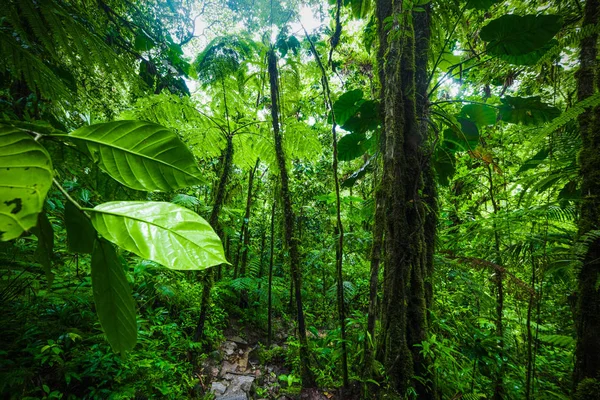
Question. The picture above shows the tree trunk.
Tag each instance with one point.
(208, 278)
(270, 288)
(403, 66)
(308, 380)
(246, 225)
(587, 352)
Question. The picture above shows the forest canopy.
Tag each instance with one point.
(347, 199)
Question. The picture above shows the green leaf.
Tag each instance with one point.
(530, 58)
(81, 234)
(25, 178)
(347, 105)
(352, 146)
(45, 246)
(481, 114)
(112, 295)
(140, 155)
(515, 35)
(166, 233)
(360, 8)
(365, 118)
(527, 110)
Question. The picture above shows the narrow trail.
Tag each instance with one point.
(236, 373)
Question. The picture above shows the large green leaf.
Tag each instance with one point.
(140, 155)
(481, 114)
(347, 105)
(25, 178)
(515, 35)
(530, 58)
(365, 118)
(112, 295)
(81, 235)
(352, 146)
(166, 233)
(527, 110)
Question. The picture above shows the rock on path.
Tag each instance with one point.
(236, 375)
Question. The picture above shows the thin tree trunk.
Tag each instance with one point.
(208, 278)
(270, 289)
(246, 226)
(339, 231)
(308, 380)
(530, 365)
(587, 352)
(499, 280)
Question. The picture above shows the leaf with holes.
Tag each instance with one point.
(166, 233)
(140, 155)
(25, 178)
(112, 295)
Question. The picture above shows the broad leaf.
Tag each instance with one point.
(515, 35)
(25, 178)
(81, 234)
(480, 114)
(166, 233)
(527, 110)
(352, 146)
(347, 105)
(366, 118)
(45, 246)
(140, 155)
(112, 295)
(530, 58)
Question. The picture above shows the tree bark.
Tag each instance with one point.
(308, 380)
(403, 77)
(587, 352)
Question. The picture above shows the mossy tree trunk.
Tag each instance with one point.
(308, 380)
(407, 182)
(587, 363)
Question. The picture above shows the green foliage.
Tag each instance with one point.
(527, 110)
(162, 232)
(112, 297)
(521, 39)
(140, 155)
(25, 181)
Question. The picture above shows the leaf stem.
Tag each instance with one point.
(67, 195)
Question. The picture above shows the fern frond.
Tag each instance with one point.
(571, 114)
(558, 340)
